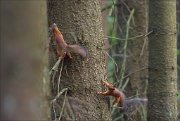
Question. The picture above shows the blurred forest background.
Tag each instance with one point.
(37, 85)
(130, 67)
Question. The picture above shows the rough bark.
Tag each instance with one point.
(24, 84)
(162, 87)
(80, 22)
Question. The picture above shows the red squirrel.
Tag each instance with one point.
(112, 91)
(63, 48)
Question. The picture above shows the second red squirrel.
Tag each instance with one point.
(112, 91)
(63, 48)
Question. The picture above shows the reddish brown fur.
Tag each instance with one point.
(59, 37)
(61, 44)
(63, 48)
(112, 91)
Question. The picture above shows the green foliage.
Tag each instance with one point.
(178, 52)
(111, 67)
(113, 34)
(178, 100)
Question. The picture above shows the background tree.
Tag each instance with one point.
(24, 84)
(178, 52)
(135, 62)
(162, 87)
(137, 48)
(178, 39)
(129, 49)
(81, 23)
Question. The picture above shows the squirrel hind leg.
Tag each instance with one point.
(115, 102)
(118, 101)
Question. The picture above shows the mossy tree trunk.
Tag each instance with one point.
(80, 22)
(162, 87)
(24, 84)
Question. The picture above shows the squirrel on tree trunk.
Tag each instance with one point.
(63, 48)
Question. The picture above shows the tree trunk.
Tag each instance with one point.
(178, 40)
(80, 23)
(136, 58)
(178, 57)
(137, 48)
(162, 87)
(24, 84)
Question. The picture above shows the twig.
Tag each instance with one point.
(128, 9)
(131, 38)
(125, 84)
(70, 110)
(118, 118)
(134, 72)
(55, 67)
(112, 60)
(59, 94)
(117, 107)
(131, 97)
(142, 50)
(109, 6)
(54, 110)
(63, 105)
(114, 15)
(125, 47)
(139, 36)
(59, 79)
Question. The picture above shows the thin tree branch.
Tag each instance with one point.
(59, 94)
(131, 38)
(134, 72)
